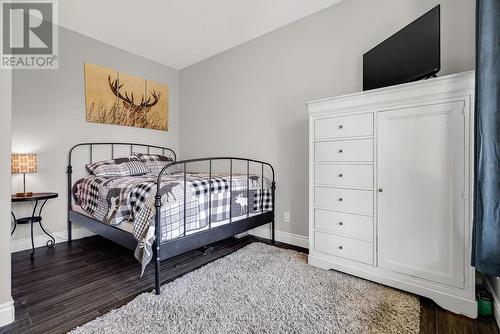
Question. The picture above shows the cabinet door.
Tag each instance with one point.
(421, 180)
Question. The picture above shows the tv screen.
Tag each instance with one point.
(411, 54)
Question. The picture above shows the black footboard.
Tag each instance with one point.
(189, 242)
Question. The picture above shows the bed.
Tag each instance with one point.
(175, 207)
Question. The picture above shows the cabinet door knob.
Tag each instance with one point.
(340, 247)
(340, 199)
(341, 223)
(341, 175)
(341, 126)
(341, 150)
(380, 190)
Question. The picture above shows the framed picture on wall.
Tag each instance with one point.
(113, 97)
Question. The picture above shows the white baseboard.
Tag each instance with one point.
(17, 245)
(7, 313)
(496, 300)
(285, 237)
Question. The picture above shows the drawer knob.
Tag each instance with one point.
(340, 199)
(340, 247)
(341, 151)
(380, 190)
(341, 126)
(341, 175)
(341, 223)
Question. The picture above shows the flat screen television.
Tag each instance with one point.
(411, 54)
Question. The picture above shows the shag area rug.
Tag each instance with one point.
(264, 289)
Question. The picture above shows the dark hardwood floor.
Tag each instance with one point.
(68, 286)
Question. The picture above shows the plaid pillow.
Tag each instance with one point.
(154, 162)
(130, 166)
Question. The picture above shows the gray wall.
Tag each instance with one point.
(249, 101)
(6, 304)
(49, 117)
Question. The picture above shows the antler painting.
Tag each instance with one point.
(118, 98)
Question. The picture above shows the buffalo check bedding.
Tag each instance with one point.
(118, 199)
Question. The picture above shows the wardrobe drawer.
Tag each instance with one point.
(356, 201)
(355, 226)
(352, 249)
(344, 150)
(344, 175)
(344, 126)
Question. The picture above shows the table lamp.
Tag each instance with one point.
(22, 164)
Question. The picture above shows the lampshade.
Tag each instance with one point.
(23, 163)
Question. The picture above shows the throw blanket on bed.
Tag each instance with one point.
(113, 200)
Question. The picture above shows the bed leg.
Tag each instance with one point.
(273, 223)
(157, 242)
(273, 239)
(157, 272)
(69, 171)
(70, 238)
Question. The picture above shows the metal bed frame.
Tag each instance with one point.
(167, 249)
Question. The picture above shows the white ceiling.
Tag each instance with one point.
(179, 33)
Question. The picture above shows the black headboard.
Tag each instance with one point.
(112, 146)
(91, 146)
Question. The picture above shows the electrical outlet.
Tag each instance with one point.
(286, 217)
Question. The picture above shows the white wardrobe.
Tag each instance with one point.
(391, 174)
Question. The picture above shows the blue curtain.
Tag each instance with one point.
(486, 236)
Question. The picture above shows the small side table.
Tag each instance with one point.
(35, 218)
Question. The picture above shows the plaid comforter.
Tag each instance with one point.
(113, 200)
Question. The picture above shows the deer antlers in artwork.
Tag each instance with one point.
(115, 88)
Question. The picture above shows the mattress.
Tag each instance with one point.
(128, 226)
(128, 202)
